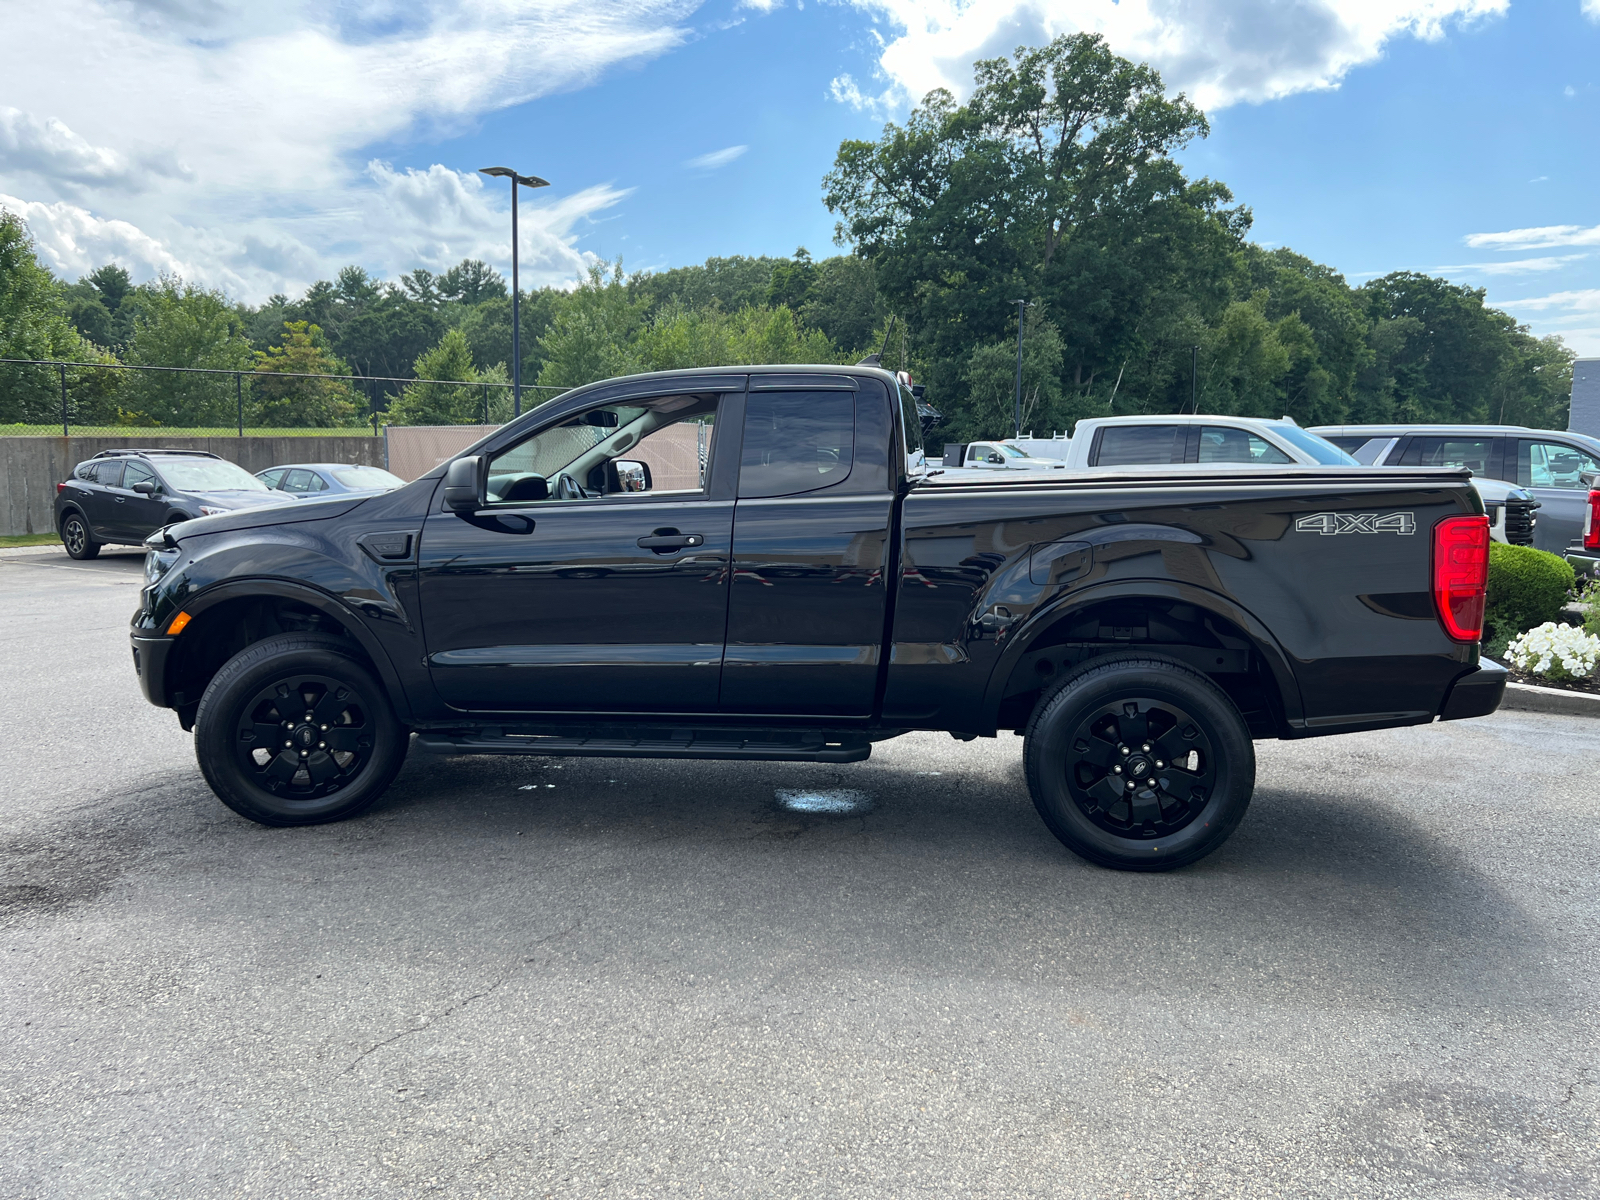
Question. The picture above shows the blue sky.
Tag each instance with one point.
(257, 147)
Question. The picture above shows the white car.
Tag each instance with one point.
(1102, 442)
(995, 456)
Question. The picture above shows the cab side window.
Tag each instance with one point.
(108, 473)
(1225, 444)
(660, 444)
(796, 442)
(1449, 452)
(1552, 465)
(1140, 445)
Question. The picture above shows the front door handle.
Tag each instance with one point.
(664, 540)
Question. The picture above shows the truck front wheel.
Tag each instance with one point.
(295, 730)
(1140, 764)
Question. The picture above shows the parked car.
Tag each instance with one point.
(995, 456)
(328, 479)
(1139, 629)
(1547, 464)
(120, 497)
(1173, 439)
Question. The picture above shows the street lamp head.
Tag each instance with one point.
(529, 181)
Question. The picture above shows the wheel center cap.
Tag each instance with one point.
(1139, 766)
(305, 737)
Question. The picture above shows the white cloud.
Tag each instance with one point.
(1591, 9)
(271, 107)
(1582, 301)
(1542, 237)
(1514, 266)
(717, 158)
(71, 240)
(1220, 52)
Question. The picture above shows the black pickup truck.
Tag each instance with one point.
(755, 563)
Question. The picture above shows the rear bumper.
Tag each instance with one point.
(1477, 693)
(150, 664)
(1584, 562)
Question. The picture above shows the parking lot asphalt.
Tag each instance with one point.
(545, 977)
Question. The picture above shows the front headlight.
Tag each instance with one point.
(157, 563)
(207, 511)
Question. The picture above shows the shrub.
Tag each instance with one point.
(1558, 651)
(1527, 587)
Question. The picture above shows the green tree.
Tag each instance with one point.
(991, 378)
(180, 324)
(591, 337)
(1055, 181)
(471, 282)
(439, 403)
(290, 402)
(791, 281)
(842, 301)
(34, 324)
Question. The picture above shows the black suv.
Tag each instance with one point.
(123, 496)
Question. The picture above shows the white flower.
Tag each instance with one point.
(1538, 650)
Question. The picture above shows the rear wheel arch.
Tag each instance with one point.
(231, 617)
(1015, 687)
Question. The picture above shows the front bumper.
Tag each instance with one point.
(150, 664)
(1477, 693)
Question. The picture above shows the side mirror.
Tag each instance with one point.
(145, 488)
(997, 459)
(464, 485)
(626, 475)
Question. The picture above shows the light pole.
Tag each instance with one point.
(1021, 304)
(529, 181)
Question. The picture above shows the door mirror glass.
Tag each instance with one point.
(630, 476)
(997, 459)
(463, 485)
(145, 488)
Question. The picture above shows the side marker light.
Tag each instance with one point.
(178, 624)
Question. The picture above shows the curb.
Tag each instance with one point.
(1525, 697)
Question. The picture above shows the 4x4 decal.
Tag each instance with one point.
(1329, 523)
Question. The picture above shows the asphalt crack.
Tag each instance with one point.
(435, 1019)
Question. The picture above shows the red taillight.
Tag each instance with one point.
(61, 486)
(1591, 523)
(1460, 574)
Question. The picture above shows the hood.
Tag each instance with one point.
(282, 511)
(238, 499)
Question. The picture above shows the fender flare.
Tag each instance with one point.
(1277, 660)
(325, 602)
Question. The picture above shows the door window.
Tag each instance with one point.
(139, 473)
(1225, 444)
(1552, 465)
(796, 442)
(298, 482)
(661, 445)
(271, 478)
(1140, 445)
(1449, 452)
(108, 474)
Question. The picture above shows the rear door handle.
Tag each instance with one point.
(671, 541)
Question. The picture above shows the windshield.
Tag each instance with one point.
(1320, 449)
(206, 475)
(1012, 452)
(366, 477)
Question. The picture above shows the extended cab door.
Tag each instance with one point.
(595, 578)
(810, 547)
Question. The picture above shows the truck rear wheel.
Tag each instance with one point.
(295, 730)
(1139, 764)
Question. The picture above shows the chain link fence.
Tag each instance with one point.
(46, 397)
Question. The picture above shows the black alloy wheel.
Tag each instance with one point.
(75, 536)
(295, 730)
(1139, 763)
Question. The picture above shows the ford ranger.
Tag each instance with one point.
(757, 563)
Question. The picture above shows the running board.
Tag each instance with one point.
(760, 745)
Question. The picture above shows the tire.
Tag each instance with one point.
(75, 536)
(262, 756)
(1085, 744)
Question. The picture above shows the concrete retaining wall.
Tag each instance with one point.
(30, 467)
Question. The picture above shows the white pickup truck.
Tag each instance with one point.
(1099, 442)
